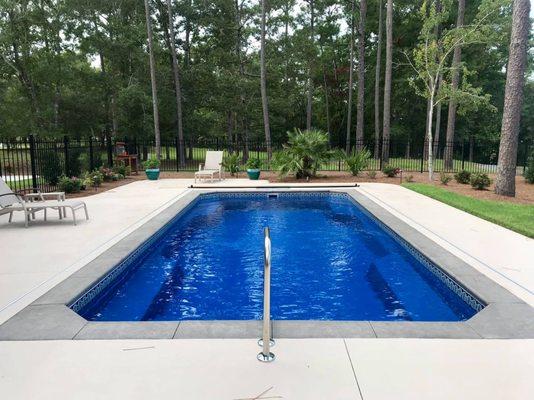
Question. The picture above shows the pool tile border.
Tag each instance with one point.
(504, 316)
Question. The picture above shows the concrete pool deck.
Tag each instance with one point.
(385, 368)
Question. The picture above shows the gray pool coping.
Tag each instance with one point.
(504, 316)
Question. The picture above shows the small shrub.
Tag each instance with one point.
(231, 163)
(409, 178)
(445, 178)
(88, 182)
(253, 163)
(480, 181)
(151, 163)
(97, 177)
(463, 177)
(107, 174)
(70, 185)
(357, 160)
(127, 171)
(371, 174)
(50, 164)
(303, 154)
(529, 170)
(390, 171)
(119, 168)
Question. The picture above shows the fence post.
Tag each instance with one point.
(33, 163)
(380, 146)
(463, 154)
(177, 149)
(66, 152)
(91, 155)
(110, 151)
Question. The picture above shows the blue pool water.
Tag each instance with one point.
(330, 261)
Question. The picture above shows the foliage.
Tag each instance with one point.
(517, 217)
(232, 163)
(70, 185)
(479, 181)
(371, 174)
(253, 163)
(54, 86)
(529, 170)
(95, 177)
(357, 160)
(444, 178)
(304, 153)
(121, 169)
(50, 164)
(463, 177)
(151, 163)
(390, 171)
(107, 174)
(74, 164)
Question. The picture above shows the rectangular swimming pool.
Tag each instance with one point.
(331, 260)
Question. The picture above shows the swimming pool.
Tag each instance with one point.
(331, 260)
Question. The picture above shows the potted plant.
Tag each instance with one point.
(253, 168)
(152, 168)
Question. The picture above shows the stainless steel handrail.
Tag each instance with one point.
(266, 341)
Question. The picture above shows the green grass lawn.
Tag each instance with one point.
(517, 217)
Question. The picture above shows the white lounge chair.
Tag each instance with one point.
(211, 167)
(11, 202)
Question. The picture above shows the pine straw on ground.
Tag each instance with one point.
(524, 191)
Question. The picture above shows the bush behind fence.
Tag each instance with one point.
(27, 163)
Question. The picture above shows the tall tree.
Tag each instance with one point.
(513, 99)
(361, 75)
(429, 63)
(310, 65)
(263, 78)
(153, 83)
(177, 86)
(351, 79)
(377, 80)
(386, 129)
(455, 80)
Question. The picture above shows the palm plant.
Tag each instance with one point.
(356, 161)
(304, 153)
(231, 163)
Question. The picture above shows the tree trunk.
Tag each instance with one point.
(230, 131)
(264, 102)
(451, 121)
(386, 129)
(513, 99)
(377, 81)
(177, 86)
(430, 118)
(351, 82)
(438, 123)
(361, 75)
(153, 80)
(310, 67)
(327, 107)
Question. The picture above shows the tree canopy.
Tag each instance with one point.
(80, 68)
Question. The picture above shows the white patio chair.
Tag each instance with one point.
(11, 202)
(211, 167)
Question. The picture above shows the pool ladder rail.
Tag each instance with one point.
(266, 341)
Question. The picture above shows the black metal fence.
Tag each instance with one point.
(27, 163)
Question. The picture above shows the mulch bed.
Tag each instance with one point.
(524, 191)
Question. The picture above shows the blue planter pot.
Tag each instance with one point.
(253, 174)
(152, 174)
